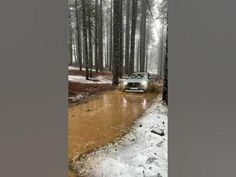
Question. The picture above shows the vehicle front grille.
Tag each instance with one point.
(134, 84)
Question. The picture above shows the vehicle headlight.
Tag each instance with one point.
(144, 83)
(125, 83)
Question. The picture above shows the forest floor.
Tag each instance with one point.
(79, 88)
(141, 152)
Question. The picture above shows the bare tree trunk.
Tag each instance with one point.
(146, 56)
(127, 37)
(116, 44)
(111, 37)
(75, 50)
(70, 39)
(78, 29)
(143, 35)
(96, 35)
(165, 86)
(85, 38)
(146, 61)
(161, 53)
(138, 55)
(121, 40)
(133, 29)
(90, 44)
(101, 37)
(107, 46)
(147, 46)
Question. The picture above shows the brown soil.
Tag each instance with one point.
(87, 89)
(90, 89)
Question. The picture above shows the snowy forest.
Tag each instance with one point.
(117, 88)
(121, 36)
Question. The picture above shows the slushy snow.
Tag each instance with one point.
(82, 79)
(140, 153)
(77, 68)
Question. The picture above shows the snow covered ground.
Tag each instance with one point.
(140, 153)
(76, 68)
(97, 80)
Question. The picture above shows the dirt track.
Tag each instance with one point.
(103, 119)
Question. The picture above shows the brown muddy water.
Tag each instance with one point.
(103, 119)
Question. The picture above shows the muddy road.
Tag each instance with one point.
(102, 119)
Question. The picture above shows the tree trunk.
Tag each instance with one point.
(147, 46)
(146, 61)
(78, 29)
(85, 42)
(133, 29)
(70, 40)
(121, 40)
(101, 37)
(161, 53)
(143, 35)
(127, 37)
(107, 46)
(96, 36)
(90, 44)
(138, 55)
(165, 86)
(74, 51)
(111, 37)
(116, 43)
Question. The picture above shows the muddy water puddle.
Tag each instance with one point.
(103, 119)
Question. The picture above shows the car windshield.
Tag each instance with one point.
(137, 76)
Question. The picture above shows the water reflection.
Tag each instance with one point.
(144, 104)
(124, 102)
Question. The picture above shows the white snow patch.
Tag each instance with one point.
(73, 68)
(77, 68)
(97, 80)
(75, 78)
(78, 97)
(104, 79)
(139, 153)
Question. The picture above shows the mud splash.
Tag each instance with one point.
(103, 119)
